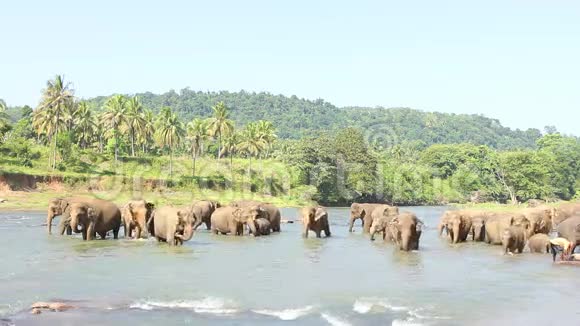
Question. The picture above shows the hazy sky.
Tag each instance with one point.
(518, 61)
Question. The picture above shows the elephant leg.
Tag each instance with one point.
(318, 232)
(327, 231)
(138, 232)
(351, 224)
(62, 226)
(116, 232)
(214, 231)
(103, 235)
(208, 225)
(90, 231)
(68, 230)
(234, 230)
(84, 232)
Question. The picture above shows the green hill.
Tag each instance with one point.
(384, 127)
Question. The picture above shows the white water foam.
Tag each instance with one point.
(208, 305)
(365, 305)
(286, 314)
(406, 322)
(334, 321)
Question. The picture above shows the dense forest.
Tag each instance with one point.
(295, 118)
(331, 155)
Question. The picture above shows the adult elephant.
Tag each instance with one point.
(263, 226)
(203, 210)
(174, 225)
(494, 226)
(232, 220)
(267, 211)
(60, 207)
(459, 226)
(443, 223)
(570, 230)
(539, 243)
(540, 219)
(364, 213)
(315, 219)
(135, 215)
(405, 230)
(565, 211)
(95, 216)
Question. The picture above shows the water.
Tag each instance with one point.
(277, 280)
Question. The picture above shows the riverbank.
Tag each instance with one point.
(38, 200)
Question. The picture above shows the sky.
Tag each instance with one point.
(517, 61)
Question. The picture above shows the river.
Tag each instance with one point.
(278, 280)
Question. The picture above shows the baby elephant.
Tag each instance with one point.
(513, 239)
(263, 226)
(315, 219)
(539, 243)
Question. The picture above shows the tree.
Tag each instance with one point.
(145, 134)
(4, 119)
(220, 125)
(169, 133)
(251, 142)
(115, 116)
(134, 120)
(57, 97)
(231, 144)
(197, 134)
(85, 124)
(267, 133)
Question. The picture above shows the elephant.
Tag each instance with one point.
(539, 243)
(95, 216)
(58, 207)
(381, 218)
(204, 209)
(540, 219)
(442, 226)
(570, 230)
(315, 219)
(263, 226)
(478, 228)
(565, 211)
(135, 215)
(458, 226)
(174, 225)
(494, 226)
(231, 219)
(364, 212)
(513, 239)
(267, 211)
(405, 230)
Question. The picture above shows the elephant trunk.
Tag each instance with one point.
(440, 228)
(187, 232)
(406, 240)
(74, 223)
(252, 227)
(456, 235)
(373, 231)
(49, 221)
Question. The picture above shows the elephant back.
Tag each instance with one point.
(570, 229)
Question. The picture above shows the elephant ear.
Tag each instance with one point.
(237, 213)
(63, 203)
(320, 213)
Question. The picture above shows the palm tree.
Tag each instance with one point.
(134, 120)
(231, 143)
(169, 133)
(115, 116)
(3, 116)
(85, 124)
(251, 142)
(219, 124)
(197, 133)
(267, 133)
(70, 115)
(145, 134)
(56, 98)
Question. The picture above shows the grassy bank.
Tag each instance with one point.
(37, 200)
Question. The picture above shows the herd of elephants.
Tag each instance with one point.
(531, 225)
